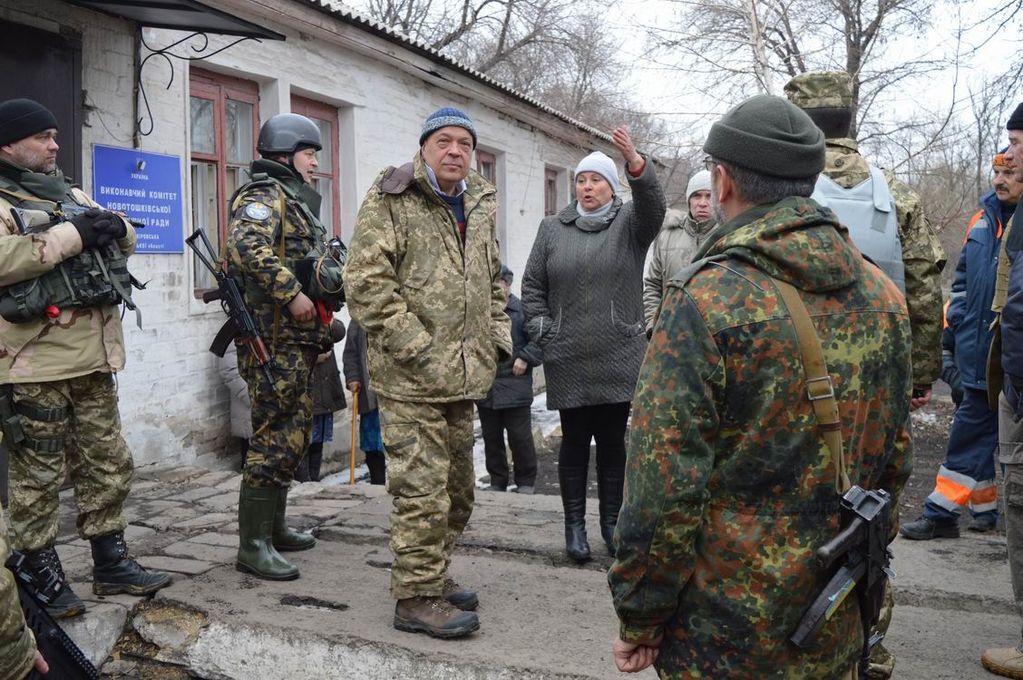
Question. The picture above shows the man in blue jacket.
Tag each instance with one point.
(1008, 301)
(967, 477)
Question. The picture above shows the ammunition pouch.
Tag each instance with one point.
(10, 422)
(93, 278)
(319, 273)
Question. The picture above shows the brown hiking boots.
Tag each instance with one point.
(1006, 661)
(463, 598)
(434, 616)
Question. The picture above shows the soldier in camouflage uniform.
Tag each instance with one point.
(730, 487)
(274, 229)
(59, 400)
(17, 645)
(827, 97)
(424, 282)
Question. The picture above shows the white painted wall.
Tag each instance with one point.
(172, 403)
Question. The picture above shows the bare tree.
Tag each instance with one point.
(759, 44)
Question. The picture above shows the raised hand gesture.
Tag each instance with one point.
(623, 142)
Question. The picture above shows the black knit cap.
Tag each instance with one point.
(21, 118)
(768, 135)
(1016, 119)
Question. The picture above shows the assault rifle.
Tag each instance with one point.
(34, 221)
(863, 542)
(63, 656)
(240, 323)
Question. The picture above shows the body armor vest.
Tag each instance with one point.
(319, 271)
(96, 277)
(868, 211)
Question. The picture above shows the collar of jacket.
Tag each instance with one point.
(569, 215)
(432, 176)
(846, 143)
(795, 240)
(734, 224)
(401, 179)
(294, 185)
(697, 229)
(50, 185)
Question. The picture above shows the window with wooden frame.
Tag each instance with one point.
(325, 179)
(224, 114)
(486, 165)
(550, 191)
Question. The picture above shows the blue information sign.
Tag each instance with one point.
(147, 187)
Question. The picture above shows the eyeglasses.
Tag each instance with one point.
(709, 163)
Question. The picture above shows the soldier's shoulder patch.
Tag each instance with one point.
(257, 211)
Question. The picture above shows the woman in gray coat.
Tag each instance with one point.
(582, 293)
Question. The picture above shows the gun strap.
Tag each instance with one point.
(283, 207)
(819, 387)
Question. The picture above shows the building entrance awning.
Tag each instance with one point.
(181, 15)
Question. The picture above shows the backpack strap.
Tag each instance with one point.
(819, 387)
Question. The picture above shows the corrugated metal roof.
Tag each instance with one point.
(351, 16)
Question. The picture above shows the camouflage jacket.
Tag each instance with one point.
(922, 256)
(432, 306)
(673, 248)
(77, 342)
(253, 249)
(17, 646)
(729, 488)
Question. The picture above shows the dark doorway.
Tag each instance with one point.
(47, 67)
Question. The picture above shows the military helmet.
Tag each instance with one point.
(821, 89)
(287, 133)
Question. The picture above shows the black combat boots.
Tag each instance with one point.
(610, 484)
(114, 571)
(573, 498)
(52, 586)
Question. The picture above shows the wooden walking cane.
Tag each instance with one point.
(355, 434)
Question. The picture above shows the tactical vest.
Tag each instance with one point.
(868, 211)
(319, 271)
(96, 277)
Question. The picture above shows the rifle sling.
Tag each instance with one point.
(819, 387)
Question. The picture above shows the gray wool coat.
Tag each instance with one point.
(582, 293)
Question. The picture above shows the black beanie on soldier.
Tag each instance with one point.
(1016, 119)
(770, 136)
(21, 118)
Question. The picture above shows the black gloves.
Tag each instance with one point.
(950, 374)
(98, 227)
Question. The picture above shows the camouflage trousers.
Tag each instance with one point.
(282, 417)
(431, 479)
(17, 648)
(68, 424)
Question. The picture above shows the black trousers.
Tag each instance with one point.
(519, 424)
(603, 422)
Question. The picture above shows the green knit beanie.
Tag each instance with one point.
(768, 135)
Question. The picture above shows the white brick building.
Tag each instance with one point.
(370, 88)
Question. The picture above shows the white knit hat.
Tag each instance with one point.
(698, 182)
(601, 164)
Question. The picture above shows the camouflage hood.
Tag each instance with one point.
(795, 240)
